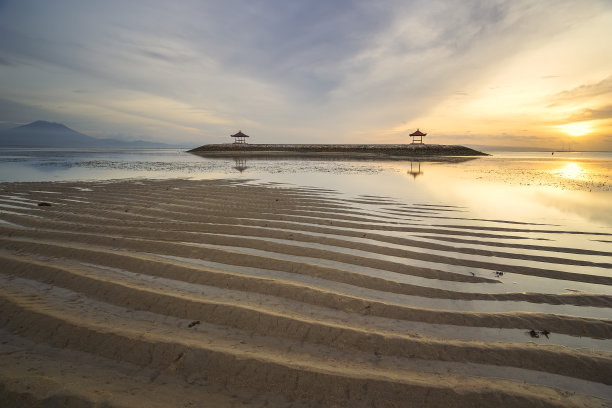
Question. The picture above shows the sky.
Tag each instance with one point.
(528, 73)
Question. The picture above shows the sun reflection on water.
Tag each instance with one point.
(571, 170)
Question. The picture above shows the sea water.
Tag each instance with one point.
(568, 189)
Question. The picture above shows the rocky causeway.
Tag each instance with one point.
(377, 151)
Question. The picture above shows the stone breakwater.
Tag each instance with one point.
(388, 151)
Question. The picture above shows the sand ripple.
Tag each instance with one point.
(170, 293)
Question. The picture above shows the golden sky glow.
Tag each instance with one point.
(576, 128)
(539, 96)
(504, 73)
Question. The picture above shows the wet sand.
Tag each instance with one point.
(224, 293)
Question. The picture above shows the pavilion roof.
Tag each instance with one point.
(239, 134)
(418, 133)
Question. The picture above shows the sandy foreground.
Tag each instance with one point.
(222, 293)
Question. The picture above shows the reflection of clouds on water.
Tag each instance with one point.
(593, 206)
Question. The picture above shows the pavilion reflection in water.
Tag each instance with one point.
(240, 164)
(415, 169)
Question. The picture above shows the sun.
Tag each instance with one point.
(576, 128)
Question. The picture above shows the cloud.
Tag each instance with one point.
(602, 113)
(583, 92)
(6, 62)
(14, 113)
(312, 71)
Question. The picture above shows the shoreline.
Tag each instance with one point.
(345, 151)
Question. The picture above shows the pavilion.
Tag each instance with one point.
(240, 137)
(417, 137)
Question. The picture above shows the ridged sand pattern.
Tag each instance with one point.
(230, 293)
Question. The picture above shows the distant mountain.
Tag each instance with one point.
(49, 134)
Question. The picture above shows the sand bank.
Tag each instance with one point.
(171, 293)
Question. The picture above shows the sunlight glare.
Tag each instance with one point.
(576, 128)
(571, 171)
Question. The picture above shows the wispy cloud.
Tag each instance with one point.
(584, 92)
(603, 113)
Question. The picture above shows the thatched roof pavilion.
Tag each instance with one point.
(239, 137)
(417, 137)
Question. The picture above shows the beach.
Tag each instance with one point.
(305, 204)
(227, 292)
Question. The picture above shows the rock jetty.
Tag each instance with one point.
(374, 151)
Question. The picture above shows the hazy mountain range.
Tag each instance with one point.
(50, 134)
